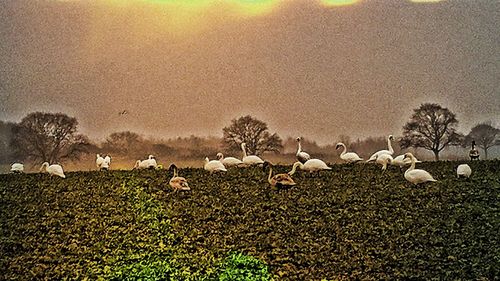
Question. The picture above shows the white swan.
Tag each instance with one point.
(99, 160)
(390, 150)
(349, 157)
(302, 156)
(214, 166)
(229, 161)
(105, 165)
(149, 163)
(384, 159)
(464, 170)
(107, 159)
(250, 159)
(311, 165)
(401, 161)
(54, 169)
(416, 176)
(176, 182)
(279, 180)
(17, 168)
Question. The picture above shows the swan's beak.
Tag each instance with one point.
(337, 147)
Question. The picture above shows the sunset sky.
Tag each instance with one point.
(313, 68)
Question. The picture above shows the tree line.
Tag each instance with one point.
(54, 137)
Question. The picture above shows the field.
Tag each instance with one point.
(353, 222)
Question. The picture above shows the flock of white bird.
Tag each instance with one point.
(305, 162)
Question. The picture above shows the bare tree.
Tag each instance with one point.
(254, 133)
(6, 153)
(50, 137)
(485, 136)
(431, 127)
(345, 139)
(125, 143)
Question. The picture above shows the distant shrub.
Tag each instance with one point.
(238, 266)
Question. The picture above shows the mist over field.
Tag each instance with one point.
(307, 68)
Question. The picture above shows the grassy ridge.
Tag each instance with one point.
(351, 222)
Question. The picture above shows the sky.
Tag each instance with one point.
(311, 68)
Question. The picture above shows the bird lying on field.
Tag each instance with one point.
(278, 180)
(17, 168)
(149, 163)
(416, 176)
(214, 166)
(250, 160)
(229, 161)
(176, 182)
(349, 157)
(464, 170)
(311, 165)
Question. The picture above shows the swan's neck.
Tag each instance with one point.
(344, 150)
(270, 174)
(390, 145)
(300, 148)
(244, 151)
(294, 168)
(175, 172)
(412, 166)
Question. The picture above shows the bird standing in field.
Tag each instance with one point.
(389, 151)
(53, 170)
(474, 153)
(401, 161)
(98, 161)
(107, 161)
(302, 156)
(384, 159)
